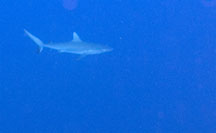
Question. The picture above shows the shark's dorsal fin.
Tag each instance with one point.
(76, 37)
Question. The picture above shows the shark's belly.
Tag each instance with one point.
(77, 49)
(82, 52)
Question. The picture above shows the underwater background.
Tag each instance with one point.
(159, 78)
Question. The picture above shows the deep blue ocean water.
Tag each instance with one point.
(160, 77)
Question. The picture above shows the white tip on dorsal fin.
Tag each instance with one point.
(76, 37)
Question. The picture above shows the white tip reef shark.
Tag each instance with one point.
(75, 46)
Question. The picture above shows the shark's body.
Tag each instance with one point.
(76, 46)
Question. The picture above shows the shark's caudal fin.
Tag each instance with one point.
(35, 39)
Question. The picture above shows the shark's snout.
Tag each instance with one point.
(107, 49)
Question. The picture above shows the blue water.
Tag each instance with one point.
(160, 77)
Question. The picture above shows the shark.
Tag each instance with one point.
(75, 46)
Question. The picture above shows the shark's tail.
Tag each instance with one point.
(36, 40)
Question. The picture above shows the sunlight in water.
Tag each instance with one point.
(70, 4)
(209, 3)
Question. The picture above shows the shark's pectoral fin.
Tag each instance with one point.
(82, 56)
(40, 48)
